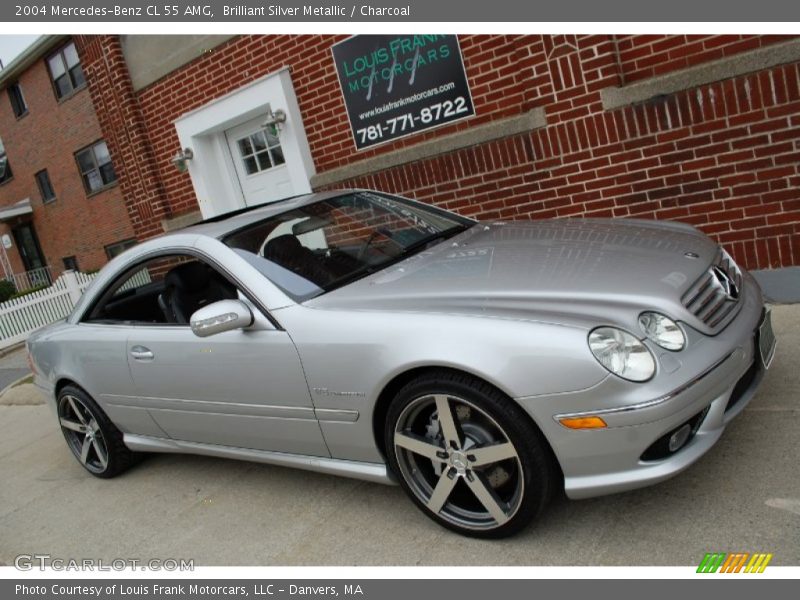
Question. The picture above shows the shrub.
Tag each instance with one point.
(30, 291)
(7, 290)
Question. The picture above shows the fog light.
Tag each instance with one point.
(672, 441)
(679, 438)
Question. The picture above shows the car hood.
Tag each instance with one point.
(591, 268)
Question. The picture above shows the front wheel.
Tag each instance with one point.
(468, 456)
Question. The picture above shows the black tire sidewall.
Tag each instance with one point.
(119, 456)
(535, 457)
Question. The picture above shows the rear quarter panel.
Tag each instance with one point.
(93, 357)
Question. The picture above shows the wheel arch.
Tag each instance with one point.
(63, 382)
(394, 385)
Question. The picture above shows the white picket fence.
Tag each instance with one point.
(31, 279)
(20, 316)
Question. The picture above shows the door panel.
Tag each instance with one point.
(239, 388)
(260, 162)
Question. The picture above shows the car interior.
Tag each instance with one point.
(322, 244)
(321, 266)
(337, 240)
(148, 297)
(189, 287)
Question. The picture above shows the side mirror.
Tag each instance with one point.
(225, 315)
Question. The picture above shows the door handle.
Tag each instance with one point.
(142, 353)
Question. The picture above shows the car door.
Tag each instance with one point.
(241, 388)
(97, 352)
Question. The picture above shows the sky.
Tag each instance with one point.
(12, 45)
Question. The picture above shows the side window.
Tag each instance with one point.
(118, 248)
(5, 168)
(66, 71)
(18, 104)
(94, 163)
(45, 187)
(70, 262)
(166, 290)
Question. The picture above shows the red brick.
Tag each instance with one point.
(75, 224)
(705, 163)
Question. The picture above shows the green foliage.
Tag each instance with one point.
(7, 290)
(30, 291)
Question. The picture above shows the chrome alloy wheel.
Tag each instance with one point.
(458, 462)
(83, 433)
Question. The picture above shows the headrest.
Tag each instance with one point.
(282, 245)
(189, 277)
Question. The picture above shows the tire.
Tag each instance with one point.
(487, 472)
(93, 439)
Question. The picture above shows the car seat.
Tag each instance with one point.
(287, 251)
(191, 286)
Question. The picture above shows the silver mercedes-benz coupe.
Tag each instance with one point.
(483, 366)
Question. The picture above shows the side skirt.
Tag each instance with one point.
(374, 472)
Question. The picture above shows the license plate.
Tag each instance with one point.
(766, 340)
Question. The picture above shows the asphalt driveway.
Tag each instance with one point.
(743, 496)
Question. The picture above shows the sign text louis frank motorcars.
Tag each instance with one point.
(398, 85)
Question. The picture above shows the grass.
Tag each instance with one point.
(21, 394)
(28, 379)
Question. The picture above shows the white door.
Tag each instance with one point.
(260, 163)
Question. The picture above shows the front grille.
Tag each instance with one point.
(715, 295)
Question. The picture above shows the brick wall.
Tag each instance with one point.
(126, 133)
(495, 78)
(643, 56)
(723, 157)
(47, 138)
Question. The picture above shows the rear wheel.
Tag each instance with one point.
(90, 435)
(468, 456)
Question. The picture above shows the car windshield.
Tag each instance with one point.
(319, 247)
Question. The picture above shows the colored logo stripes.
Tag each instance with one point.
(735, 562)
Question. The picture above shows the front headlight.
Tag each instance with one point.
(662, 330)
(622, 354)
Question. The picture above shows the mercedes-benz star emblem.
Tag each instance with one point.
(726, 283)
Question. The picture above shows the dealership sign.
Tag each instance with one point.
(398, 85)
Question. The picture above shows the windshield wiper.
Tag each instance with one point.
(425, 242)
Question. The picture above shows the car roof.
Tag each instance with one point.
(221, 225)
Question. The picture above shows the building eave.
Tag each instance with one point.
(23, 207)
(27, 57)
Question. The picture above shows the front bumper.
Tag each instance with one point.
(604, 461)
